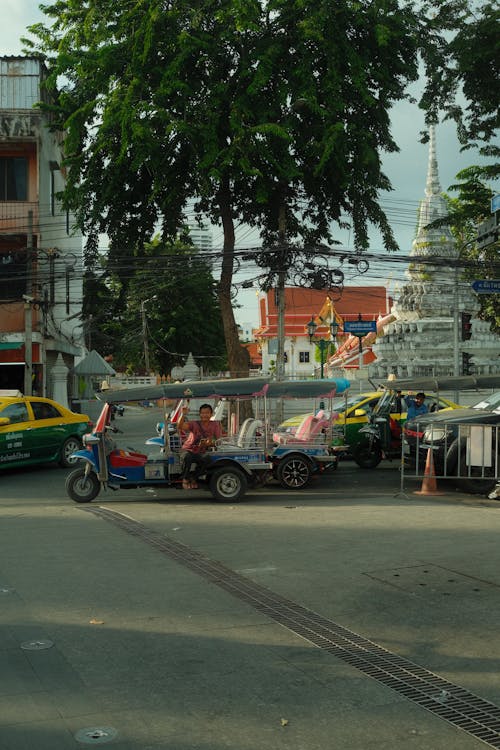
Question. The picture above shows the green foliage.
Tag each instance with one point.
(172, 290)
(467, 63)
(465, 213)
(324, 351)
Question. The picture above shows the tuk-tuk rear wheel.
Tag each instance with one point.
(294, 472)
(82, 486)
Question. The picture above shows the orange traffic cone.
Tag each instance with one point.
(429, 485)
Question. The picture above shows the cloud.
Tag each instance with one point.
(17, 15)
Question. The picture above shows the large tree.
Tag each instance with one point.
(272, 113)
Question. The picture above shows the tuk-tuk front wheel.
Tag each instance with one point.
(228, 484)
(367, 456)
(294, 472)
(82, 486)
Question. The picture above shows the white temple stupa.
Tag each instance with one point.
(421, 340)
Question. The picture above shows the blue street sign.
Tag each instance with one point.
(360, 327)
(495, 203)
(486, 286)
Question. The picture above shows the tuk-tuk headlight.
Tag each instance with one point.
(90, 439)
(435, 434)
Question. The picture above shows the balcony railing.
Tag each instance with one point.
(14, 217)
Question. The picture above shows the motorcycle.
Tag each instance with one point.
(381, 437)
(117, 410)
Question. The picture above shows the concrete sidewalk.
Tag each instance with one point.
(147, 654)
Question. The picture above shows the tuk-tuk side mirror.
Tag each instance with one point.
(4, 421)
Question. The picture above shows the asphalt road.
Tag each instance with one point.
(168, 621)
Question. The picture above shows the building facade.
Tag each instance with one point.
(40, 253)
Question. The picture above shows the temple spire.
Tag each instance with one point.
(432, 186)
(432, 240)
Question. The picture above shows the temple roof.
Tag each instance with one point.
(301, 304)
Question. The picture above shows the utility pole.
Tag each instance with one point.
(280, 304)
(456, 317)
(280, 296)
(28, 312)
(360, 352)
(145, 335)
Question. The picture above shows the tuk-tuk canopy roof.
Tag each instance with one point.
(327, 388)
(231, 388)
(444, 383)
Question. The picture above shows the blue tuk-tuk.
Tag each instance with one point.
(246, 457)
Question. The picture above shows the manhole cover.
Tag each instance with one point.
(96, 735)
(36, 645)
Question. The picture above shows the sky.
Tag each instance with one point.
(406, 170)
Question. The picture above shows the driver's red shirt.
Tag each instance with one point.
(197, 431)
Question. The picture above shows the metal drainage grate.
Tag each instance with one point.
(458, 706)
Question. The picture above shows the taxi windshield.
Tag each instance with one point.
(341, 404)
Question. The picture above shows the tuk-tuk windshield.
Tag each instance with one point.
(391, 402)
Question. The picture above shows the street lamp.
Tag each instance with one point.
(323, 344)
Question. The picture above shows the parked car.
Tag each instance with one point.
(491, 403)
(37, 430)
(448, 435)
(354, 413)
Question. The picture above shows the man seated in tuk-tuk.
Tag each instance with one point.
(203, 434)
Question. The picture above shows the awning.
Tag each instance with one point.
(5, 345)
(93, 364)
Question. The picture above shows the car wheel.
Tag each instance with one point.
(367, 456)
(474, 479)
(70, 446)
(82, 486)
(294, 472)
(228, 484)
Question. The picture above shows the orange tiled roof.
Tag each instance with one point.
(300, 304)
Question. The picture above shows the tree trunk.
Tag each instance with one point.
(237, 355)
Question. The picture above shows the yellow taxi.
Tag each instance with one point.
(37, 430)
